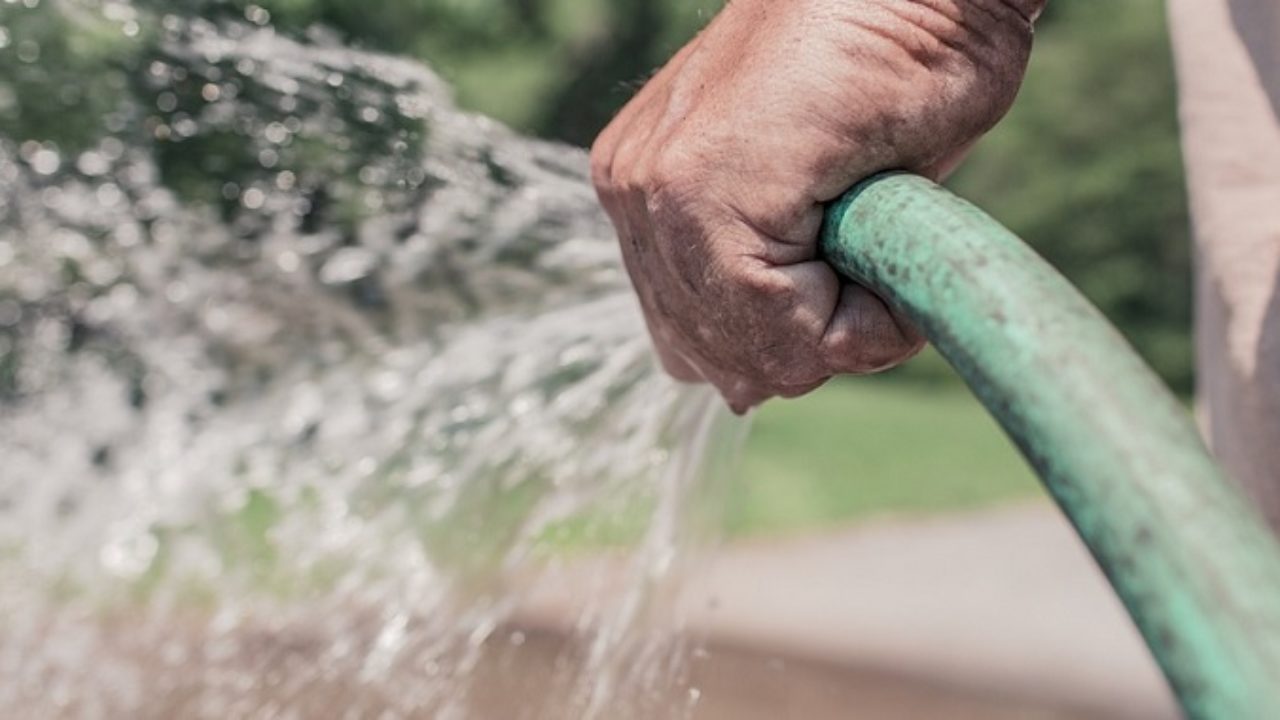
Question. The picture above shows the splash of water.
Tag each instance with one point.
(302, 373)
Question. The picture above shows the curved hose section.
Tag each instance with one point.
(1196, 567)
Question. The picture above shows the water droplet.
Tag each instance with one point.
(210, 92)
(370, 115)
(28, 51)
(348, 265)
(177, 291)
(112, 148)
(118, 11)
(129, 556)
(109, 195)
(276, 133)
(124, 297)
(93, 164)
(186, 127)
(257, 15)
(253, 199)
(51, 197)
(46, 161)
(286, 180)
(127, 236)
(288, 261)
(167, 102)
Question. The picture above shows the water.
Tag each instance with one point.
(306, 378)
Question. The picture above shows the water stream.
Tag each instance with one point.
(306, 377)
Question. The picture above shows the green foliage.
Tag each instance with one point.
(1088, 168)
(871, 446)
(557, 68)
(59, 81)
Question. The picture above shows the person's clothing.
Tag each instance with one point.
(1228, 58)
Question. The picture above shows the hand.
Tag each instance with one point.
(717, 173)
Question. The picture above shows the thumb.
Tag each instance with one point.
(866, 336)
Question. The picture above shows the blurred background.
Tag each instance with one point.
(1087, 168)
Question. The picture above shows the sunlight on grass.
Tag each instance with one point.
(870, 446)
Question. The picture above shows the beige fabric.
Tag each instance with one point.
(1228, 54)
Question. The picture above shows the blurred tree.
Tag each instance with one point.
(59, 83)
(558, 68)
(587, 97)
(604, 73)
(1088, 169)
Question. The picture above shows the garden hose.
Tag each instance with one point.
(1194, 563)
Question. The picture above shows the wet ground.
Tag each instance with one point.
(992, 615)
(528, 681)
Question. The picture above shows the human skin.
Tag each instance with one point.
(716, 174)
(1228, 54)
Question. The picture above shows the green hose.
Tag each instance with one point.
(1195, 565)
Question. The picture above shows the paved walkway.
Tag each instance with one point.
(1005, 602)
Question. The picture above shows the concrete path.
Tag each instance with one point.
(1004, 602)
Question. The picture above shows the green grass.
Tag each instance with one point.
(906, 444)
(872, 446)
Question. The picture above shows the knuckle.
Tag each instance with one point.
(671, 167)
(627, 169)
(601, 167)
(672, 175)
(608, 167)
(767, 287)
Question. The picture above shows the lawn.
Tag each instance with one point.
(873, 446)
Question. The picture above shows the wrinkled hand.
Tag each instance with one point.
(716, 174)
